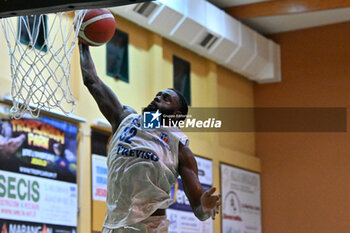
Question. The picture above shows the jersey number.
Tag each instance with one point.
(128, 134)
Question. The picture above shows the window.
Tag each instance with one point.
(182, 77)
(33, 28)
(118, 57)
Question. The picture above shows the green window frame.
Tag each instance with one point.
(117, 64)
(182, 77)
(33, 26)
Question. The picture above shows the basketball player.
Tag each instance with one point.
(143, 164)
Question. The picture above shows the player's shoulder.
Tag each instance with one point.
(184, 151)
(127, 112)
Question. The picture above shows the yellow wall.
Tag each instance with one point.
(5, 79)
(305, 174)
(150, 65)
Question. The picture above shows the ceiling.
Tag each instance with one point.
(274, 16)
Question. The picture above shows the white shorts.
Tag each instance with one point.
(153, 224)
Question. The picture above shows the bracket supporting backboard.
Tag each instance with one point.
(9, 8)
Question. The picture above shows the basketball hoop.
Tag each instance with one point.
(41, 47)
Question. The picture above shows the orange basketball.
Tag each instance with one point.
(97, 28)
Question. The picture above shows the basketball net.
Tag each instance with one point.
(40, 61)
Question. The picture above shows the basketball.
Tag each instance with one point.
(97, 28)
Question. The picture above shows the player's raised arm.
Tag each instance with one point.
(204, 204)
(107, 101)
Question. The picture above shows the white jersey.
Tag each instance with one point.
(142, 168)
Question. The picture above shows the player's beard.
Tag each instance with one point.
(150, 108)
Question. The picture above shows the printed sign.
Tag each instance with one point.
(43, 147)
(180, 215)
(36, 199)
(241, 205)
(99, 177)
(99, 173)
(38, 163)
(8, 226)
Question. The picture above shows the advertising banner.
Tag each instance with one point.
(44, 147)
(99, 174)
(38, 163)
(8, 226)
(99, 177)
(241, 204)
(36, 199)
(180, 215)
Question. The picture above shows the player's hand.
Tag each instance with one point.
(210, 202)
(9, 146)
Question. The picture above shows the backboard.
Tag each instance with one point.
(10, 8)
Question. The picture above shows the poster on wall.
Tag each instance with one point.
(241, 204)
(180, 214)
(44, 147)
(38, 165)
(99, 171)
(36, 199)
(8, 226)
(99, 174)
